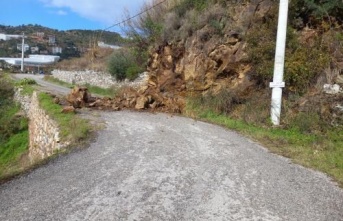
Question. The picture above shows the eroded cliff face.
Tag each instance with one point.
(208, 60)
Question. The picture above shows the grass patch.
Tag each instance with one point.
(323, 152)
(72, 128)
(57, 81)
(11, 152)
(14, 136)
(109, 92)
(27, 90)
(27, 86)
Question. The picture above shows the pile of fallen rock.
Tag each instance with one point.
(163, 93)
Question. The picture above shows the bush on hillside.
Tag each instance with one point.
(304, 62)
(6, 90)
(314, 12)
(122, 64)
(25, 81)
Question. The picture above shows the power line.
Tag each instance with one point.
(140, 13)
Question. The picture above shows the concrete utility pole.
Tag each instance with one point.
(22, 53)
(278, 82)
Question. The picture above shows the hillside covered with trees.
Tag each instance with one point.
(72, 42)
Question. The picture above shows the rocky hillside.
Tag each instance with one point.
(219, 54)
(224, 51)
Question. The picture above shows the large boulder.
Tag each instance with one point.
(78, 97)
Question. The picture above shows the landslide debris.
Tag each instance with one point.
(225, 48)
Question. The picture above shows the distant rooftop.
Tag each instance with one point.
(33, 60)
(6, 37)
(103, 45)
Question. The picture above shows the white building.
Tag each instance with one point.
(33, 60)
(56, 50)
(103, 45)
(52, 39)
(34, 49)
(26, 47)
(40, 34)
(8, 37)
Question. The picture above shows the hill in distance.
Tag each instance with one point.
(72, 42)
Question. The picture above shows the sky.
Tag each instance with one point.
(68, 14)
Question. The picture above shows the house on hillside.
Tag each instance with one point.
(40, 34)
(44, 52)
(103, 45)
(34, 49)
(56, 50)
(26, 47)
(52, 39)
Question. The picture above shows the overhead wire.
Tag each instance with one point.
(128, 19)
(132, 17)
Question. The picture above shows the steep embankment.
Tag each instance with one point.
(225, 51)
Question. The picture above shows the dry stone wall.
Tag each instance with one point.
(23, 100)
(100, 79)
(44, 133)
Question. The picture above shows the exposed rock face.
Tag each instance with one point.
(202, 62)
(206, 60)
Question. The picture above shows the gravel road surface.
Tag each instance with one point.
(147, 166)
(45, 85)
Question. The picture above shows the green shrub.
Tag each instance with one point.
(303, 62)
(220, 102)
(6, 90)
(123, 64)
(307, 123)
(118, 64)
(152, 29)
(313, 12)
(25, 81)
(303, 66)
(187, 5)
(133, 72)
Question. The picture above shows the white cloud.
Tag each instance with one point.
(61, 12)
(105, 11)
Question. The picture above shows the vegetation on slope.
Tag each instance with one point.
(73, 128)
(13, 130)
(14, 135)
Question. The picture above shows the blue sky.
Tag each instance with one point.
(68, 14)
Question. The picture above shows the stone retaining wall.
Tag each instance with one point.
(44, 133)
(23, 100)
(100, 79)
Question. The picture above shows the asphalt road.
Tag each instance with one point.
(147, 166)
(45, 85)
